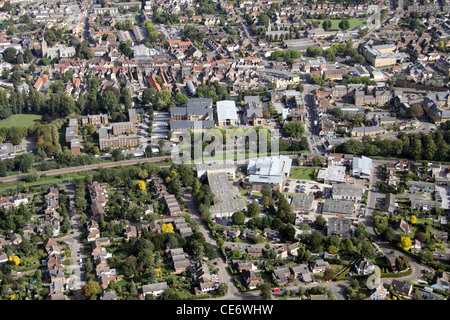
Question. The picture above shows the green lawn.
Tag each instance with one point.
(302, 173)
(354, 22)
(20, 120)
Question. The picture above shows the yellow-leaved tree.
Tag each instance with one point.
(405, 243)
(15, 259)
(167, 228)
(141, 185)
(413, 219)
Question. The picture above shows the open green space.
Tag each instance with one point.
(20, 120)
(354, 22)
(302, 173)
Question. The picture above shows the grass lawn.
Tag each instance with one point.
(20, 120)
(354, 22)
(302, 173)
(40, 181)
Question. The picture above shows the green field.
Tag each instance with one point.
(354, 22)
(20, 120)
(302, 173)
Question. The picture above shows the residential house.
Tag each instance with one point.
(380, 293)
(3, 258)
(155, 289)
(250, 279)
(364, 267)
(253, 111)
(272, 234)
(439, 235)
(402, 226)
(255, 251)
(130, 232)
(319, 266)
(230, 232)
(16, 239)
(402, 288)
(281, 275)
(206, 287)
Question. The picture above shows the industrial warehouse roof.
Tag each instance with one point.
(226, 109)
(338, 207)
(270, 166)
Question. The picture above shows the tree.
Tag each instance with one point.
(367, 250)
(90, 289)
(125, 49)
(316, 79)
(326, 25)
(24, 162)
(9, 55)
(413, 219)
(315, 240)
(405, 243)
(85, 51)
(167, 228)
(15, 260)
(238, 218)
(222, 289)
(328, 274)
(344, 25)
(265, 293)
(253, 209)
(401, 263)
(318, 161)
(148, 151)
(319, 223)
(415, 111)
(108, 102)
(294, 129)
(125, 97)
(141, 185)
(263, 19)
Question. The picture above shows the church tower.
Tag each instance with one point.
(44, 47)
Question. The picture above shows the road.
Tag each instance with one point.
(224, 275)
(416, 266)
(88, 167)
(76, 246)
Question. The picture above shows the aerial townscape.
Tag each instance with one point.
(344, 194)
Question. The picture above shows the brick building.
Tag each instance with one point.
(120, 141)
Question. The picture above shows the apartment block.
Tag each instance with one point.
(94, 119)
(123, 127)
(120, 141)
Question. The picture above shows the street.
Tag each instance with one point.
(76, 246)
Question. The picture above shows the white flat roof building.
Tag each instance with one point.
(270, 166)
(362, 167)
(227, 113)
(332, 174)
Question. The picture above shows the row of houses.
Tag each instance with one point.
(54, 270)
(98, 197)
(14, 201)
(51, 214)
